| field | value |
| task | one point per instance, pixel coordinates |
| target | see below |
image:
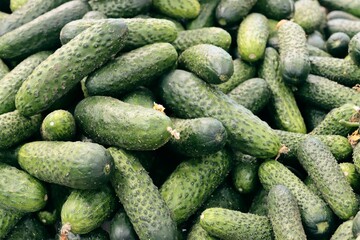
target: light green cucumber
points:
(121, 8)
(351, 175)
(198, 233)
(356, 157)
(344, 232)
(58, 125)
(309, 15)
(16, 4)
(182, 9)
(4, 69)
(206, 17)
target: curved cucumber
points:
(120, 8)
(198, 233)
(183, 9)
(338, 14)
(206, 17)
(230, 12)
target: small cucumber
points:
(206, 17)
(58, 125)
(244, 173)
(350, 27)
(8, 219)
(121, 227)
(28, 227)
(275, 9)
(354, 48)
(350, 6)
(121, 8)
(182, 9)
(231, 12)
(140, 96)
(337, 44)
(351, 175)
(309, 15)
(344, 231)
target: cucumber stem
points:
(283, 150)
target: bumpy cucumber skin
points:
(337, 45)
(254, 94)
(28, 227)
(317, 217)
(354, 49)
(10, 155)
(8, 220)
(41, 33)
(284, 214)
(26, 195)
(190, 97)
(326, 94)
(198, 136)
(252, 37)
(4, 69)
(283, 105)
(316, 52)
(85, 210)
(211, 63)
(294, 56)
(242, 72)
(351, 175)
(206, 17)
(58, 125)
(244, 173)
(148, 132)
(139, 67)
(308, 15)
(230, 225)
(94, 15)
(182, 9)
(356, 157)
(356, 225)
(198, 233)
(323, 168)
(80, 165)
(15, 128)
(343, 232)
(121, 227)
(210, 35)
(192, 182)
(120, 8)
(12, 81)
(259, 203)
(140, 96)
(141, 199)
(350, 27)
(31, 10)
(230, 12)
(350, 6)
(275, 9)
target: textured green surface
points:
(120, 8)
(244, 173)
(350, 27)
(316, 52)
(8, 220)
(60, 72)
(190, 97)
(351, 6)
(80, 165)
(354, 49)
(335, 14)
(275, 9)
(121, 227)
(356, 157)
(58, 125)
(16, 4)
(182, 9)
(140, 96)
(230, 12)
(4, 69)
(351, 175)
(28, 228)
(140, 196)
(343, 232)
(356, 225)
(337, 45)
(94, 15)
(313, 116)
(206, 17)
(198, 233)
(259, 203)
(309, 15)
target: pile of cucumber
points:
(186, 119)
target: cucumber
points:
(80, 165)
(120, 8)
(294, 57)
(313, 116)
(244, 173)
(284, 214)
(275, 9)
(356, 157)
(140, 96)
(198, 136)
(350, 27)
(19, 191)
(141, 199)
(93, 47)
(192, 182)
(283, 105)
(338, 14)
(351, 175)
(316, 52)
(58, 125)
(337, 44)
(47, 217)
(208, 35)
(16, 4)
(150, 131)
(309, 15)
(354, 49)
(139, 67)
(254, 94)
(317, 217)
(194, 98)
(343, 232)
(259, 203)
(121, 227)
(41, 33)
(323, 168)
(12, 81)
(206, 17)
(181, 9)
(350, 6)
(97, 234)
(8, 219)
(252, 37)
(14, 128)
(31, 10)
(356, 226)
(28, 227)
(231, 12)
(10, 155)
(317, 39)
(85, 210)
(211, 63)
(94, 15)
(4, 69)
(198, 233)
(229, 224)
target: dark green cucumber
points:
(4, 69)
(121, 227)
(229, 224)
(252, 37)
(10, 155)
(350, 6)
(317, 52)
(309, 15)
(140, 96)
(350, 27)
(85, 210)
(283, 105)
(54, 77)
(8, 220)
(317, 217)
(141, 199)
(323, 168)
(244, 173)
(230, 12)
(97, 234)
(14, 128)
(20, 191)
(210, 35)
(317, 39)
(198, 136)
(351, 175)
(294, 56)
(80, 165)
(259, 203)
(356, 226)
(190, 97)
(41, 33)
(338, 14)
(344, 232)
(326, 94)
(356, 157)
(192, 182)
(311, 185)
(284, 214)
(354, 49)
(31, 10)
(337, 44)
(242, 72)
(28, 228)
(275, 9)
(150, 131)
(58, 125)
(254, 94)
(206, 17)
(339, 145)
(139, 67)
(12, 81)
(121, 8)
(94, 15)
(182, 9)
(313, 116)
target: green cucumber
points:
(337, 44)
(317, 217)
(354, 49)
(182, 9)
(58, 125)
(54, 77)
(311, 185)
(252, 37)
(350, 27)
(344, 232)
(28, 227)
(284, 214)
(349, 6)
(244, 173)
(323, 168)
(140, 96)
(8, 219)
(139, 67)
(198, 136)
(12, 81)
(141, 199)
(150, 131)
(10, 156)
(283, 105)
(317, 39)
(198, 233)
(4, 69)
(231, 12)
(338, 14)
(356, 157)
(94, 15)
(85, 210)
(194, 98)
(229, 224)
(317, 52)
(313, 116)
(41, 33)
(275, 9)
(309, 15)
(356, 226)
(120, 8)
(80, 165)
(3, 15)
(259, 203)
(206, 17)
(16, 4)
(97, 234)
(351, 175)
(121, 227)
